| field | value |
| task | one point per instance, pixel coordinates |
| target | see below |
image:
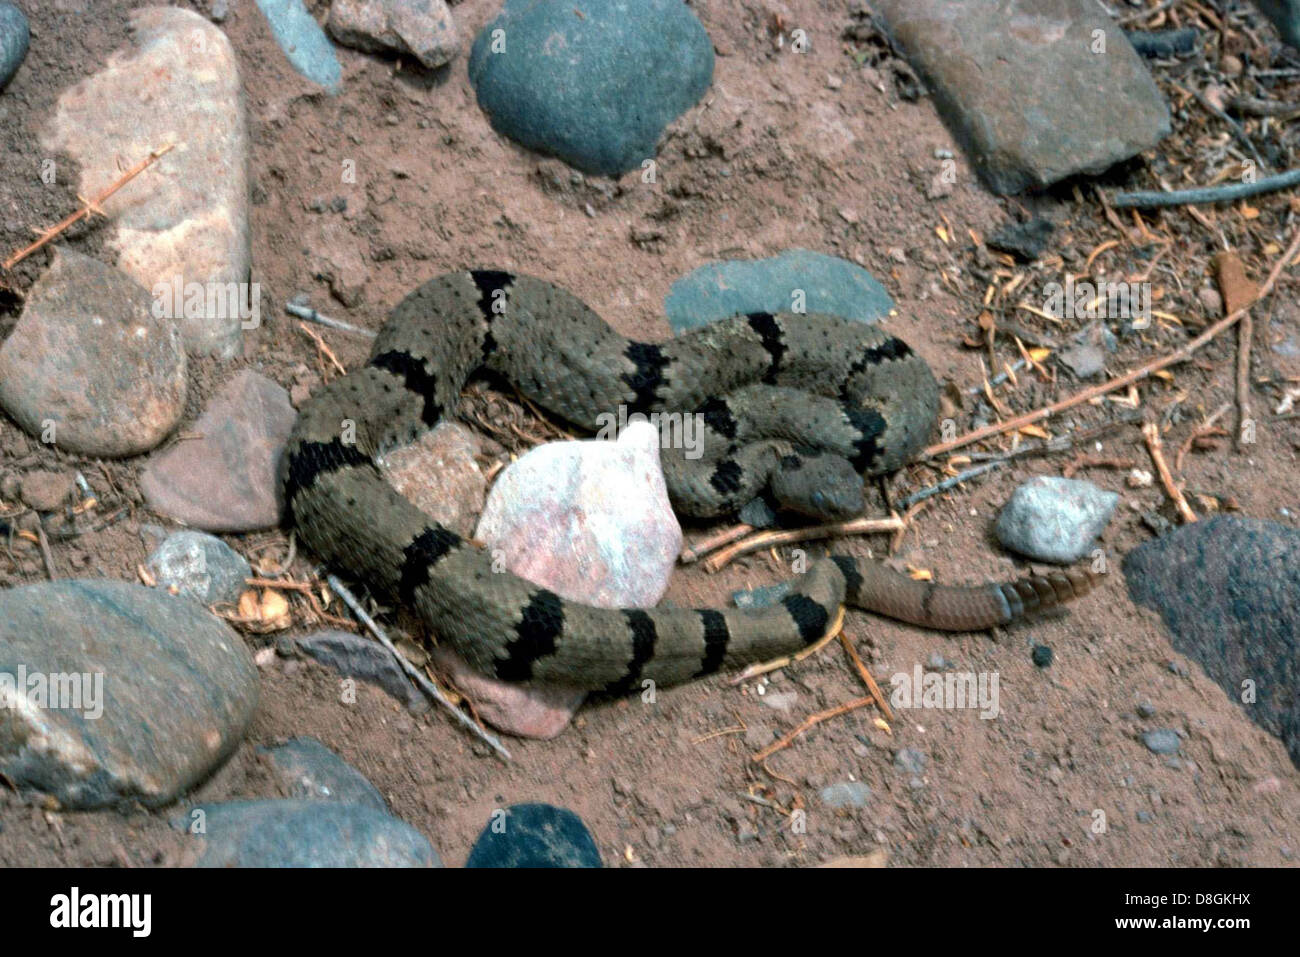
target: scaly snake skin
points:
(858, 394)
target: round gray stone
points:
(199, 566)
(594, 86)
(153, 692)
(1053, 519)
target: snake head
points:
(819, 485)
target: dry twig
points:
(1180, 354)
(1151, 433)
(855, 526)
(89, 208)
(429, 688)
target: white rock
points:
(591, 521)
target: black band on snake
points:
(793, 403)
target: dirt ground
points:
(821, 150)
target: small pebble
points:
(1042, 656)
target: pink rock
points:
(591, 521)
(527, 711)
(225, 479)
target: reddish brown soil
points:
(786, 150)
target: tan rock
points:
(186, 218)
(89, 368)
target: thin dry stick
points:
(1180, 354)
(1205, 428)
(325, 349)
(90, 206)
(1245, 333)
(763, 667)
(811, 721)
(46, 554)
(1151, 433)
(856, 526)
(432, 690)
(725, 537)
(865, 675)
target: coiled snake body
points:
(775, 393)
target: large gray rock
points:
(166, 691)
(185, 220)
(1053, 519)
(1036, 90)
(1228, 589)
(304, 833)
(226, 479)
(88, 367)
(594, 84)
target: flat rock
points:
(440, 474)
(14, 38)
(185, 220)
(355, 657)
(422, 29)
(1089, 101)
(846, 794)
(1162, 741)
(1053, 519)
(596, 86)
(303, 833)
(303, 42)
(1025, 241)
(795, 281)
(1228, 590)
(199, 566)
(524, 710)
(309, 771)
(168, 690)
(534, 835)
(88, 367)
(225, 480)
